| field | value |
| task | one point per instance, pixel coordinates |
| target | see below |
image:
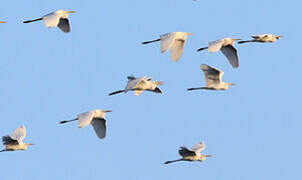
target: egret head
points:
(71, 11)
(279, 37)
(159, 82)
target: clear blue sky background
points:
(253, 130)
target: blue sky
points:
(252, 130)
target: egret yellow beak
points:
(190, 34)
(71, 11)
(107, 111)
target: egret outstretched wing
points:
(197, 148)
(99, 125)
(19, 134)
(64, 25)
(184, 152)
(215, 46)
(85, 119)
(51, 20)
(167, 41)
(231, 53)
(177, 49)
(212, 75)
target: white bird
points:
(174, 41)
(14, 142)
(192, 154)
(57, 18)
(213, 78)
(96, 118)
(138, 85)
(262, 38)
(226, 45)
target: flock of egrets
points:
(175, 42)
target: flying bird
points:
(213, 78)
(15, 141)
(139, 85)
(57, 18)
(226, 46)
(174, 41)
(96, 118)
(192, 154)
(262, 38)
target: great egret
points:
(14, 142)
(57, 18)
(262, 38)
(192, 154)
(226, 45)
(174, 41)
(138, 85)
(96, 118)
(213, 78)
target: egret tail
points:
(168, 162)
(116, 92)
(62, 122)
(191, 89)
(240, 42)
(29, 21)
(200, 49)
(147, 42)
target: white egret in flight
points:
(138, 85)
(96, 118)
(226, 46)
(192, 154)
(262, 38)
(14, 142)
(57, 18)
(174, 41)
(213, 78)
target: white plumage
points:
(57, 18)
(96, 118)
(139, 85)
(226, 46)
(174, 41)
(213, 77)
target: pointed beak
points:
(71, 11)
(2, 22)
(31, 144)
(232, 84)
(208, 155)
(107, 111)
(237, 39)
(190, 34)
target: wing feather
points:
(231, 53)
(212, 75)
(85, 119)
(19, 134)
(215, 46)
(197, 148)
(166, 41)
(99, 125)
(64, 25)
(177, 49)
